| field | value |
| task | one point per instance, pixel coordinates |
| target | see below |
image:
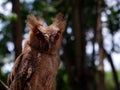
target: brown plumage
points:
(36, 67)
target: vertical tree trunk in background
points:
(101, 81)
(79, 32)
(92, 81)
(69, 67)
(68, 59)
(17, 28)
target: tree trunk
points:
(92, 80)
(16, 28)
(101, 81)
(79, 32)
(69, 64)
(68, 59)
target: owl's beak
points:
(46, 37)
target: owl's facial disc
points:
(47, 37)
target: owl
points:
(36, 67)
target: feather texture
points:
(37, 65)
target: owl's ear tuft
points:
(59, 22)
(32, 22)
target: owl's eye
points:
(39, 35)
(56, 36)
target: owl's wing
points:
(21, 72)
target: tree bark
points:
(17, 28)
(68, 59)
(79, 32)
(101, 81)
(92, 82)
(69, 64)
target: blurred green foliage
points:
(109, 80)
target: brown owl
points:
(36, 67)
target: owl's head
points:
(45, 38)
